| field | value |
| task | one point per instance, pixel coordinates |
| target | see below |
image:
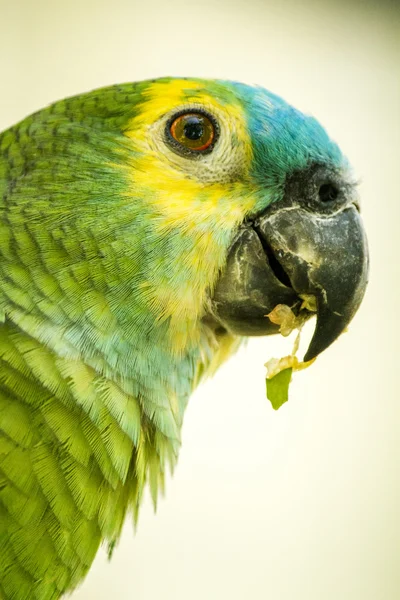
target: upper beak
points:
(325, 257)
(290, 251)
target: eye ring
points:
(192, 132)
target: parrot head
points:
(259, 201)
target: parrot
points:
(146, 230)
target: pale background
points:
(303, 503)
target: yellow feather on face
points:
(204, 200)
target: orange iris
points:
(194, 131)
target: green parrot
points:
(146, 229)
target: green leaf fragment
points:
(278, 388)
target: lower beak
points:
(288, 253)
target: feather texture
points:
(110, 244)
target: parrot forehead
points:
(283, 138)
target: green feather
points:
(103, 290)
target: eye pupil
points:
(328, 192)
(193, 129)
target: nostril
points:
(328, 192)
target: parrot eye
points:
(192, 132)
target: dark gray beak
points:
(311, 242)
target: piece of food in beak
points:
(279, 370)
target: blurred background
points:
(303, 503)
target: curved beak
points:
(285, 254)
(323, 256)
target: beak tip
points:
(328, 328)
(311, 354)
(316, 347)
